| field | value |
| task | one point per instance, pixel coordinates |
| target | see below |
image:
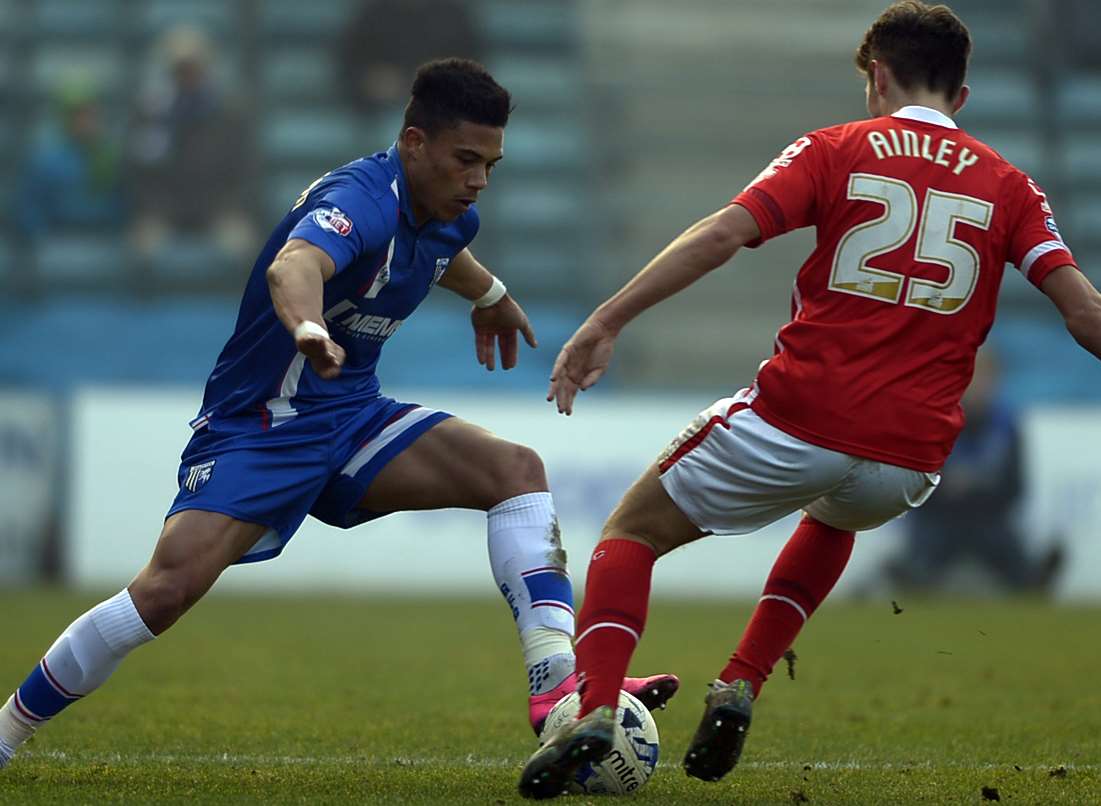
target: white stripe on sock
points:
(23, 711)
(786, 600)
(14, 730)
(598, 625)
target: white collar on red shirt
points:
(926, 115)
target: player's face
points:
(450, 168)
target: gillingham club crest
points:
(198, 475)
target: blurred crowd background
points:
(148, 146)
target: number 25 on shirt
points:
(937, 220)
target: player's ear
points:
(881, 77)
(414, 140)
(961, 99)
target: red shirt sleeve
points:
(1036, 248)
(783, 197)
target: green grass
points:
(389, 701)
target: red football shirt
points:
(916, 220)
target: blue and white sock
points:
(6, 752)
(79, 661)
(529, 567)
(547, 674)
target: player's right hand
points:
(326, 356)
(581, 362)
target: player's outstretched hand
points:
(496, 326)
(579, 365)
(326, 356)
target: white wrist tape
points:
(308, 328)
(493, 296)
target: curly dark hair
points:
(922, 44)
(449, 91)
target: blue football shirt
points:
(360, 215)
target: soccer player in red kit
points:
(854, 414)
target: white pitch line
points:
(256, 760)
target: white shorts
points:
(731, 473)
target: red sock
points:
(804, 573)
(612, 618)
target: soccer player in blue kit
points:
(293, 423)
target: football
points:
(634, 754)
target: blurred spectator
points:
(191, 153)
(72, 181)
(388, 39)
(973, 517)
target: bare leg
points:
(456, 464)
(645, 525)
(193, 549)
(647, 515)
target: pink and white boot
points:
(653, 692)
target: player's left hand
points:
(496, 326)
(583, 359)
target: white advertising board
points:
(1063, 468)
(126, 447)
(29, 443)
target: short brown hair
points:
(449, 91)
(922, 44)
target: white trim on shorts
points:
(384, 438)
(268, 542)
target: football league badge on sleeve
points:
(334, 220)
(198, 475)
(1049, 222)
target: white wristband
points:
(493, 296)
(308, 328)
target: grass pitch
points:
(409, 701)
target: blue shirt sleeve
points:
(347, 222)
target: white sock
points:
(529, 567)
(7, 749)
(539, 643)
(77, 663)
(547, 671)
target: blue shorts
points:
(317, 464)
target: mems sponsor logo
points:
(346, 316)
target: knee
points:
(518, 470)
(614, 530)
(160, 596)
(646, 529)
